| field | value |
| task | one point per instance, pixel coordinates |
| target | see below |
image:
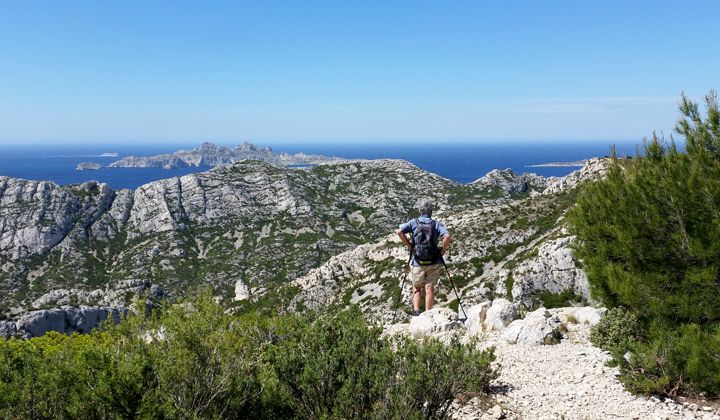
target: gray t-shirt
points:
(410, 225)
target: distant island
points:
(210, 154)
(109, 154)
(88, 166)
(559, 164)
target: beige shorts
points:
(423, 275)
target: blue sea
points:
(462, 162)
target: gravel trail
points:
(569, 380)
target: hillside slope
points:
(250, 222)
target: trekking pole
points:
(454, 289)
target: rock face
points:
(476, 317)
(34, 216)
(586, 315)
(88, 166)
(62, 320)
(554, 269)
(242, 292)
(7, 329)
(209, 154)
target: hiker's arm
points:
(404, 238)
(445, 244)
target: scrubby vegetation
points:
(617, 330)
(192, 360)
(649, 237)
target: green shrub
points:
(616, 331)
(194, 361)
(673, 361)
(558, 300)
(337, 367)
(509, 283)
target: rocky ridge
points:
(209, 154)
(234, 223)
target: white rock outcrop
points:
(594, 169)
(499, 315)
(242, 291)
(434, 321)
(538, 327)
(64, 320)
(554, 269)
(476, 317)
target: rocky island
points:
(88, 166)
(209, 154)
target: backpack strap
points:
(412, 236)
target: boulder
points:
(538, 327)
(434, 321)
(242, 292)
(586, 315)
(499, 315)
(476, 316)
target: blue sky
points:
(268, 71)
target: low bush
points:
(194, 361)
(558, 300)
(616, 331)
(674, 361)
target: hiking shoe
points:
(415, 312)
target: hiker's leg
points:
(416, 297)
(418, 276)
(432, 275)
(429, 296)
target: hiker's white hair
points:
(425, 205)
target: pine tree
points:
(649, 238)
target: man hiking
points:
(426, 257)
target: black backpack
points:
(425, 239)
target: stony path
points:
(569, 381)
